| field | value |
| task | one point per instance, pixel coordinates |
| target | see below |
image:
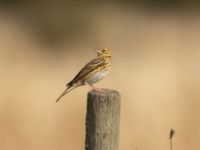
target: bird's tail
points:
(67, 90)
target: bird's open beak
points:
(98, 51)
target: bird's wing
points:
(89, 67)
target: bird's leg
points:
(93, 87)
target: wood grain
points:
(103, 120)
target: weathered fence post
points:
(102, 120)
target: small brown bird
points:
(92, 72)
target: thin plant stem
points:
(171, 144)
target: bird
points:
(92, 72)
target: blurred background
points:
(155, 66)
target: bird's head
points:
(105, 52)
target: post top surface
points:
(104, 92)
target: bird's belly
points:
(97, 76)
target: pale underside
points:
(97, 77)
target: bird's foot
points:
(96, 89)
(93, 88)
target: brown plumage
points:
(92, 72)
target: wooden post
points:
(102, 120)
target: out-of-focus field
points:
(155, 67)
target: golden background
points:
(155, 67)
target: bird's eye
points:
(103, 50)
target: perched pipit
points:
(92, 72)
